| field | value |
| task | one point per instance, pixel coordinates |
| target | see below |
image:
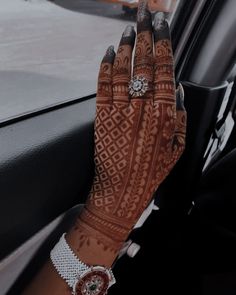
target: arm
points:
(138, 140)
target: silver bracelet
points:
(81, 278)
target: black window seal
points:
(45, 109)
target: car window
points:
(50, 51)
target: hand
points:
(138, 139)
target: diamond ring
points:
(138, 86)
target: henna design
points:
(164, 84)
(86, 233)
(125, 182)
(137, 141)
(104, 88)
(122, 66)
(143, 59)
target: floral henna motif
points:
(121, 74)
(137, 141)
(104, 89)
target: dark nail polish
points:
(159, 21)
(144, 17)
(143, 11)
(129, 31)
(180, 97)
(110, 55)
(161, 27)
(128, 37)
(110, 50)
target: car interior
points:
(188, 244)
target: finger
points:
(122, 66)
(143, 58)
(104, 89)
(180, 126)
(180, 98)
(164, 83)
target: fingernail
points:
(143, 11)
(128, 32)
(110, 50)
(110, 55)
(144, 17)
(180, 97)
(161, 27)
(128, 37)
(159, 21)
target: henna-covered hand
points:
(138, 140)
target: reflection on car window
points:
(50, 50)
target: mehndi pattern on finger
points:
(122, 66)
(104, 88)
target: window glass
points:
(50, 50)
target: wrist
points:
(113, 231)
(92, 246)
